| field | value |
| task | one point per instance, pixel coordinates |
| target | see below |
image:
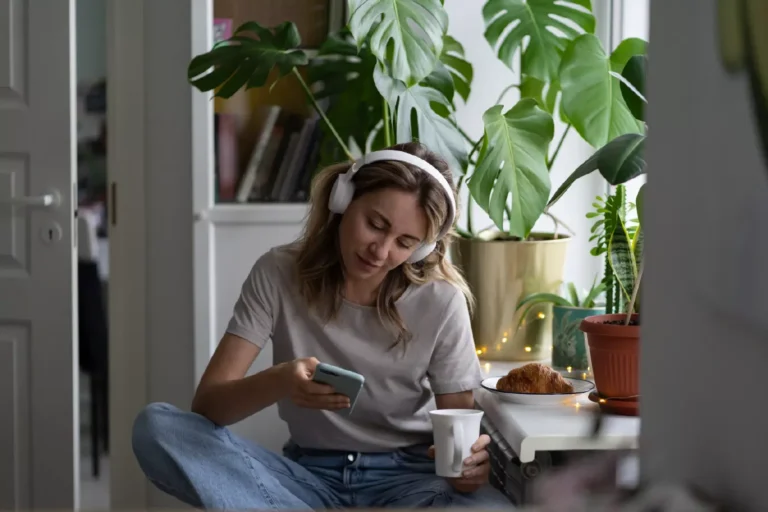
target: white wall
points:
(491, 77)
(237, 246)
(704, 350)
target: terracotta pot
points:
(614, 351)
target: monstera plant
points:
(395, 74)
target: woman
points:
(368, 287)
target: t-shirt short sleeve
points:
(454, 366)
(252, 317)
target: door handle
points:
(42, 201)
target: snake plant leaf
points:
(405, 35)
(461, 70)
(417, 119)
(638, 242)
(619, 161)
(243, 61)
(640, 204)
(543, 23)
(634, 74)
(622, 259)
(591, 95)
(511, 175)
(343, 73)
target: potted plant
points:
(394, 74)
(613, 337)
(569, 351)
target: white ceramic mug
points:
(455, 431)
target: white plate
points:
(580, 388)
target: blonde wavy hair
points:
(318, 258)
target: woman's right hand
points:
(304, 392)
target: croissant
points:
(534, 378)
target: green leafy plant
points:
(618, 237)
(394, 74)
(571, 298)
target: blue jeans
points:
(203, 465)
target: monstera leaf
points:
(531, 87)
(592, 98)
(619, 161)
(441, 80)
(416, 118)
(405, 35)
(511, 174)
(634, 74)
(344, 74)
(461, 70)
(544, 23)
(244, 61)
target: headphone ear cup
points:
(422, 252)
(341, 195)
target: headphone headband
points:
(402, 156)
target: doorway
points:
(93, 253)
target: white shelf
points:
(256, 213)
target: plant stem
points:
(464, 134)
(559, 145)
(505, 91)
(320, 111)
(461, 232)
(469, 232)
(559, 222)
(475, 147)
(387, 127)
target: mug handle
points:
(458, 437)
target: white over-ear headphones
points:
(344, 190)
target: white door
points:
(38, 344)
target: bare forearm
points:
(225, 403)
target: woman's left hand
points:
(477, 467)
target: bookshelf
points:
(266, 143)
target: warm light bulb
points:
(602, 400)
(479, 352)
(498, 347)
(504, 339)
(541, 316)
(506, 334)
(527, 349)
(568, 369)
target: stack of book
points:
(281, 163)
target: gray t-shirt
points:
(392, 409)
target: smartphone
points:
(342, 381)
